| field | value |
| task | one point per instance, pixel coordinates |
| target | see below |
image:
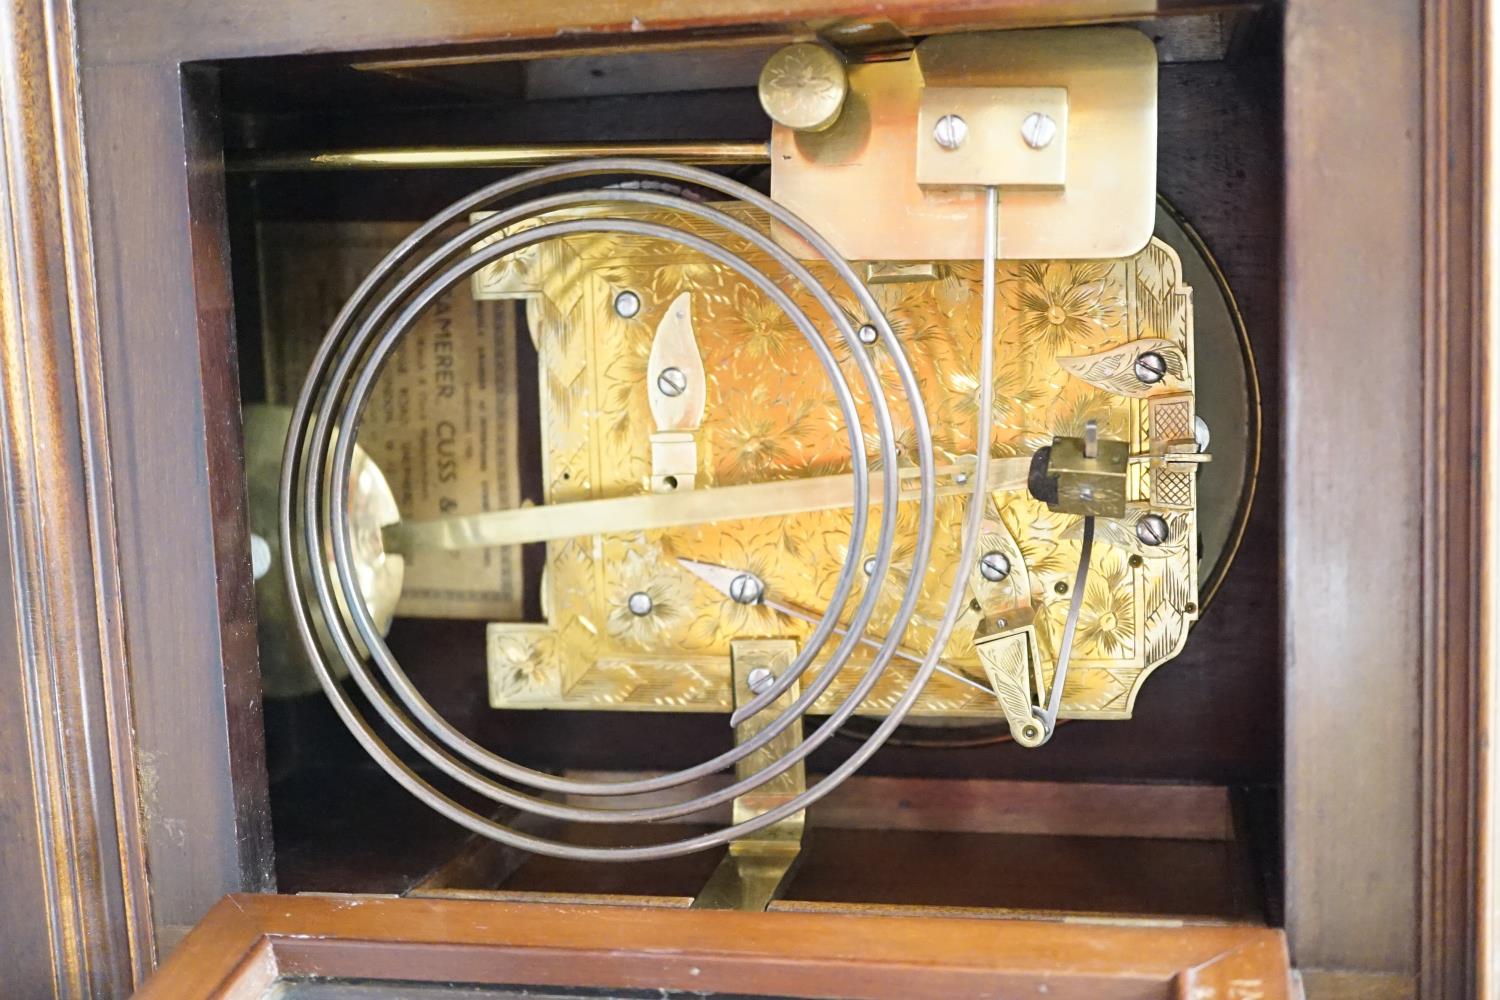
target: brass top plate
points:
(856, 182)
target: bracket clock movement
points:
(920, 434)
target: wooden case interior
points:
(1173, 814)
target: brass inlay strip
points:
(469, 157)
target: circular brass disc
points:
(803, 87)
(372, 505)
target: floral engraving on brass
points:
(803, 87)
(769, 416)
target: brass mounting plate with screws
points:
(857, 181)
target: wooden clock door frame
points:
(132, 794)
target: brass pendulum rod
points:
(657, 511)
(703, 154)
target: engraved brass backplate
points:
(770, 416)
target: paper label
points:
(442, 420)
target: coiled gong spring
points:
(335, 624)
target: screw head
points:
(640, 603)
(869, 566)
(627, 305)
(760, 680)
(867, 334)
(1150, 368)
(747, 589)
(950, 131)
(1038, 130)
(994, 567)
(672, 382)
(1152, 530)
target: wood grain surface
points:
(118, 33)
(1352, 467)
(246, 943)
(1458, 500)
(75, 919)
(167, 339)
(124, 537)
